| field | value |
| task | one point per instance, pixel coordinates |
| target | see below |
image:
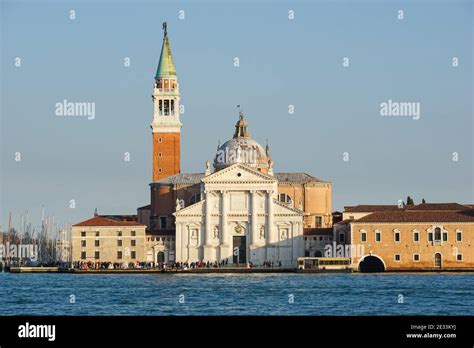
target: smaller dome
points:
(241, 150)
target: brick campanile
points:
(166, 125)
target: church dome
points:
(242, 149)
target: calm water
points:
(237, 294)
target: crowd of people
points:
(105, 265)
(112, 265)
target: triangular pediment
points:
(239, 173)
(282, 208)
(194, 209)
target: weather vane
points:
(165, 28)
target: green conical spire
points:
(166, 65)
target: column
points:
(271, 237)
(225, 247)
(155, 106)
(296, 241)
(207, 224)
(269, 228)
(209, 250)
(224, 211)
(185, 242)
(253, 218)
(178, 257)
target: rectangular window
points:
(96, 255)
(445, 236)
(172, 107)
(162, 222)
(397, 257)
(458, 257)
(133, 254)
(306, 253)
(166, 110)
(416, 236)
(160, 103)
(458, 236)
(83, 243)
(119, 255)
(83, 234)
(341, 237)
(430, 236)
(320, 238)
(397, 236)
(133, 233)
(97, 243)
(97, 233)
(319, 221)
(363, 236)
(133, 242)
(119, 242)
(119, 233)
(83, 255)
(378, 236)
(416, 257)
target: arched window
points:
(195, 198)
(437, 234)
(283, 197)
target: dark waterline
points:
(237, 294)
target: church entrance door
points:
(160, 257)
(239, 250)
(438, 262)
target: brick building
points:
(429, 236)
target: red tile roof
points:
(367, 208)
(112, 220)
(437, 206)
(466, 215)
(344, 222)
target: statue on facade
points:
(178, 204)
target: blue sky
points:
(282, 62)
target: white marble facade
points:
(241, 220)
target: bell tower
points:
(166, 125)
